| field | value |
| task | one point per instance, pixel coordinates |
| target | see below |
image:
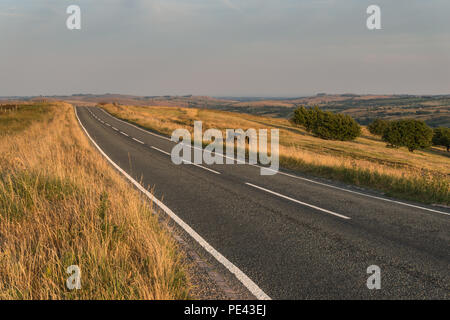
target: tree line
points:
(410, 133)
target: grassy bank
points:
(422, 176)
(61, 204)
(15, 118)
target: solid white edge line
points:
(297, 201)
(294, 176)
(185, 161)
(241, 276)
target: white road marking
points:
(300, 202)
(108, 124)
(294, 176)
(241, 276)
(359, 193)
(187, 162)
(130, 124)
(138, 141)
(114, 128)
(162, 151)
(124, 133)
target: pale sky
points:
(224, 47)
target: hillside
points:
(434, 110)
(421, 176)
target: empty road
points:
(294, 238)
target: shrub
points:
(327, 125)
(300, 116)
(413, 134)
(441, 137)
(378, 126)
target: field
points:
(61, 204)
(434, 110)
(420, 176)
(17, 117)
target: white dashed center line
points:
(138, 141)
(300, 202)
(187, 162)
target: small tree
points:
(413, 134)
(327, 125)
(300, 116)
(378, 126)
(441, 137)
(336, 127)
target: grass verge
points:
(61, 204)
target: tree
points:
(306, 117)
(413, 134)
(378, 126)
(336, 127)
(441, 137)
(300, 116)
(326, 125)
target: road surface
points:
(294, 238)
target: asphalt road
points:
(295, 238)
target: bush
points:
(378, 126)
(413, 134)
(327, 125)
(441, 137)
(300, 116)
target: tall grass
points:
(422, 176)
(15, 118)
(61, 204)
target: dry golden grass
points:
(61, 204)
(422, 175)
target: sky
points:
(224, 47)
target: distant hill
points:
(434, 110)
